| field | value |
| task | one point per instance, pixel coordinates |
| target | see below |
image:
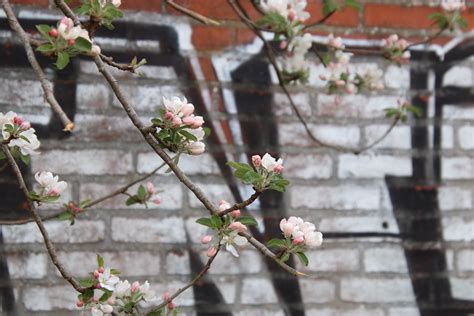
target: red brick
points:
(214, 9)
(244, 36)
(211, 38)
(207, 69)
(346, 17)
(142, 5)
(395, 16)
(42, 3)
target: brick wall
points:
(406, 203)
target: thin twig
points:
(121, 190)
(427, 40)
(45, 84)
(187, 286)
(49, 245)
(198, 17)
(110, 61)
(241, 205)
(321, 20)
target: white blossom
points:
(231, 239)
(107, 280)
(27, 142)
(453, 5)
(296, 227)
(269, 163)
(148, 293)
(50, 184)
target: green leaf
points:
(277, 243)
(115, 271)
(85, 203)
(107, 294)
(62, 61)
(415, 110)
(391, 112)
(285, 257)
(156, 121)
(46, 49)
(87, 295)
(216, 221)
(25, 159)
(329, 6)
(50, 199)
(247, 220)
(303, 259)
(132, 200)
(44, 30)
(353, 4)
(100, 261)
(65, 216)
(207, 131)
(83, 45)
(188, 135)
(87, 282)
(274, 21)
(141, 193)
(205, 221)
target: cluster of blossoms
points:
(107, 295)
(227, 234)
(18, 134)
(116, 3)
(50, 186)
(453, 5)
(144, 195)
(394, 49)
(67, 31)
(300, 232)
(286, 17)
(179, 129)
(267, 164)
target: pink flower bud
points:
(111, 301)
(67, 22)
(322, 77)
(340, 83)
(350, 89)
(287, 228)
(71, 42)
(256, 160)
(188, 120)
(278, 169)
(198, 121)
(283, 44)
(25, 126)
(298, 240)
(79, 304)
(171, 305)
(206, 239)
(150, 188)
(291, 15)
(18, 120)
(169, 115)
(53, 32)
(235, 213)
(53, 192)
(96, 274)
(98, 286)
(177, 121)
(135, 287)
(157, 201)
(166, 296)
(211, 252)
(187, 109)
(238, 226)
(101, 270)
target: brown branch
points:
(121, 190)
(49, 245)
(241, 205)
(110, 61)
(427, 40)
(45, 83)
(196, 16)
(187, 286)
(381, 138)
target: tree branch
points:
(49, 245)
(196, 16)
(45, 83)
(241, 205)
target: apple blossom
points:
(453, 5)
(235, 214)
(27, 142)
(223, 205)
(196, 148)
(148, 293)
(135, 287)
(269, 163)
(256, 160)
(301, 232)
(122, 288)
(107, 280)
(206, 239)
(49, 184)
(238, 226)
(231, 239)
(335, 42)
(150, 188)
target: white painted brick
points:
(294, 135)
(227, 289)
(465, 260)
(111, 128)
(258, 312)
(308, 166)
(454, 198)
(80, 264)
(397, 77)
(368, 166)
(315, 71)
(447, 137)
(358, 224)
(457, 168)
(333, 260)
(399, 137)
(84, 162)
(92, 97)
(148, 98)
(150, 230)
(225, 263)
(460, 76)
(60, 232)
(215, 193)
(360, 311)
(27, 265)
(38, 298)
(385, 260)
(177, 262)
(404, 311)
(195, 230)
(466, 137)
(93, 191)
(258, 291)
(462, 288)
(317, 291)
(191, 165)
(282, 105)
(21, 92)
(458, 229)
(458, 112)
(343, 197)
(376, 290)
(357, 106)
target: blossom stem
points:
(49, 245)
(45, 83)
(196, 16)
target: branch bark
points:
(45, 83)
